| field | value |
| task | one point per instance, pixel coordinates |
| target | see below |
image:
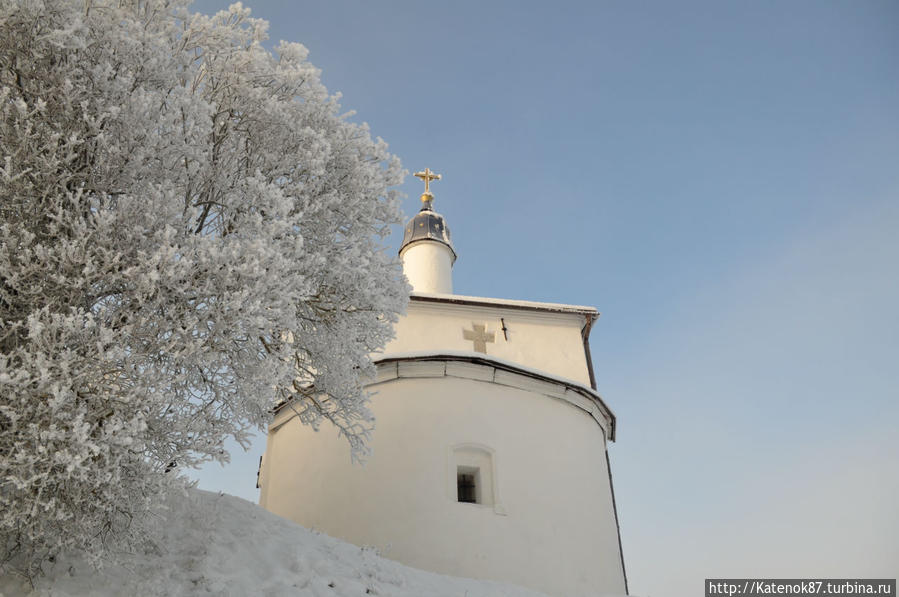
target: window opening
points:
(471, 466)
(467, 484)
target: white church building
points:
(489, 459)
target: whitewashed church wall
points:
(549, 342)
(551, 525)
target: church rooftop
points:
(427, 223)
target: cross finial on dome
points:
(427, 176)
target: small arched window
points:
(474, 475)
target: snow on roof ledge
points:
(509, 303)
(471, 356)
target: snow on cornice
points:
(507, 303)
(503, 364)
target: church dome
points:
(427, 225)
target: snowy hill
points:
(221, 545)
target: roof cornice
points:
(564, 385)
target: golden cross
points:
(427, 176)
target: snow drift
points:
(214, 544)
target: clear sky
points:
(721, 180)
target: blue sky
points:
(721, 180)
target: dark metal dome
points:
(427, 225)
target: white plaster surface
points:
(541, 340)
(428, 266)
(551, 528)
(526, 404)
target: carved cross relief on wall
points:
(480, 336)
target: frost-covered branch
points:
(175, 200)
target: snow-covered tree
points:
(190, 231)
